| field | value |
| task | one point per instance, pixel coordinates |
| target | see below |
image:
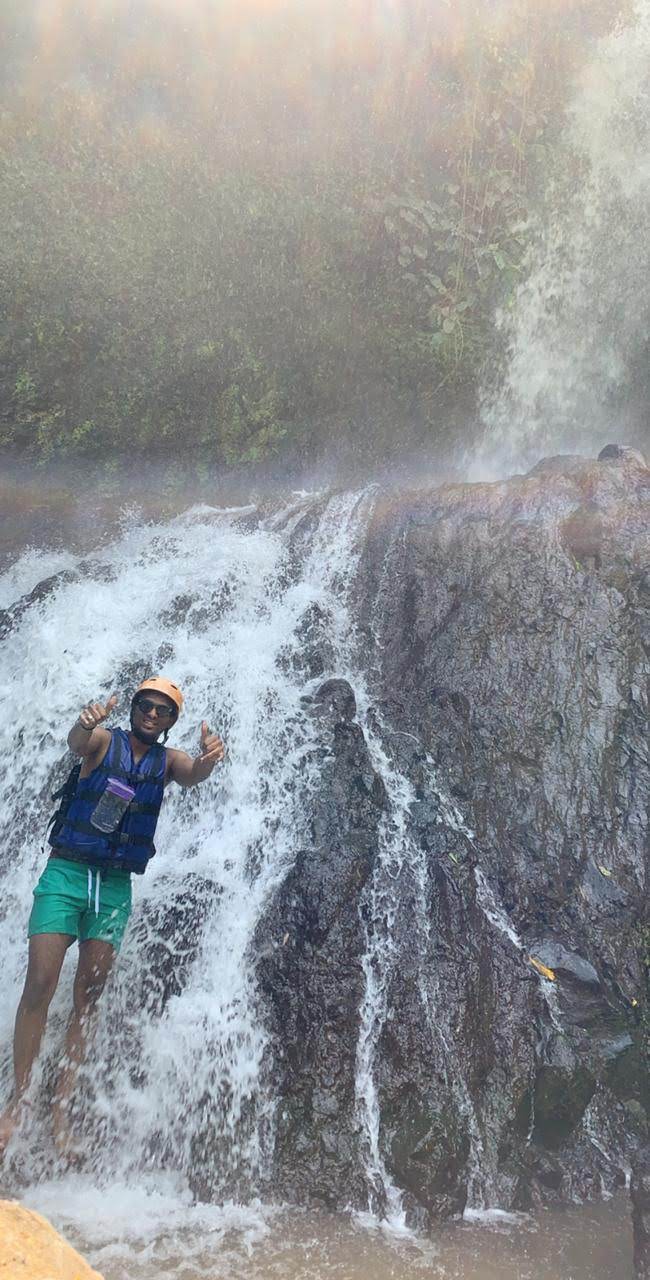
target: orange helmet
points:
(158, 684)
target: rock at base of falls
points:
(30, 1248)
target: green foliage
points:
(25, 388)
(458, 264)
(460, 238)
(173, 289)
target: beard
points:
(147, 737)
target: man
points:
(84, 892)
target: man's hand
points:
(186, 771)
(86, 736)
(212, 748)
(94, 713)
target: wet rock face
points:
(506, 632)
(85, 569)
(523, 670)
(311, 946)
(640, 1193)
(167, 936)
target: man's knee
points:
(88, 986)
(40, 985)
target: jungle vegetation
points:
(231, 232)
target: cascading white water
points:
(580, 317)
(176, 1080)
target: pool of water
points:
(160, 1238)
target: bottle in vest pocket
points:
(112, 805)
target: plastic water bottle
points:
(112, 805)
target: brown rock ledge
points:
(30, 1249)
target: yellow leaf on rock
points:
(543, 969)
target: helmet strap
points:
(169, 726)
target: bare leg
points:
(95, 963)
(46, 953)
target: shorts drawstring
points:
(98, 877)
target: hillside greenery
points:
(230, 233)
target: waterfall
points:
(177, 1090)
(176, 1106)
(576, 335)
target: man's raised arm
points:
(188, 772)
(86, 737)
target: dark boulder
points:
(504, 633)
(621, 453)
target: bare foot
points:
(67, 1148)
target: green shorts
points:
(73, 898)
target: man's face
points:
(152, 714)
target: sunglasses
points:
(154, 708)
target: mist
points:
(288, 241)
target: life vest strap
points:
(113, 837)
(136, 806)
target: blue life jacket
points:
(130, 846)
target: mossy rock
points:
(561, 1099)
(428, 1153)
